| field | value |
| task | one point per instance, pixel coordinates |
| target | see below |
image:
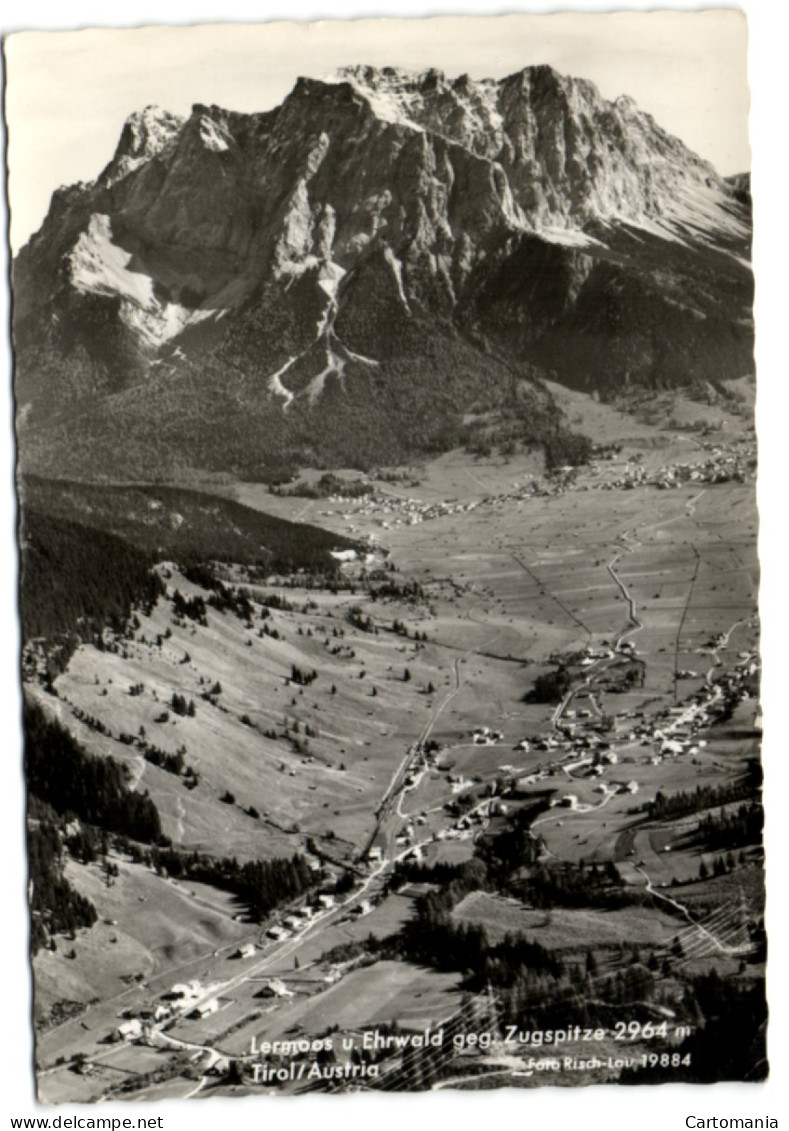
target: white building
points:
(275, 987)
(129, 1030)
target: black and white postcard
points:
(390, 643)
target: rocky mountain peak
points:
(570, 157)
(315, 253)
(146, 134)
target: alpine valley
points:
(390, 599)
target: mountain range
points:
(374, 269)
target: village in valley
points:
(386, 508)
(386, 471)
(523, 710)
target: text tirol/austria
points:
(389, 588)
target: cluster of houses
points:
(591, 654)
(486, 736)
(719, 464)
(388, 511)
(468, 824)
(583, 744)
(363, 907)
(669, 733)
(299, 917)
(184, 999)
(195, 1001)
(274, 987)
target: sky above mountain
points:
(68, 93)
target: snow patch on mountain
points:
(293, 252)
(329, 277)
(324, 236)
(358, 356)
(98, 266)
(388, 92)
(334, 364)
(160, 322)
(694, 216)
(213, 136)
(146, 134)
(397, 271)
(317, 154)
(484, 111)
(275, 386)
(705, 212)
(568, 237)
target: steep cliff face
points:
(343, 276)
(569, 156)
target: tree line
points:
(264, 885)
(75, 581)
(77, 783)
(54, 904)
(668, 805)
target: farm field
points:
(383, 992)
(560, 929)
